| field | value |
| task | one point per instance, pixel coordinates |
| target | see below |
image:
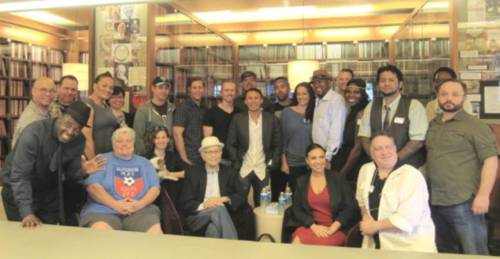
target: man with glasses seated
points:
(42, 95)
(211, 192)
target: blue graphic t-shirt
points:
(122, 179)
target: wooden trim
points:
(151, 48)
(91, 50)
(392, 51)
(454, 35)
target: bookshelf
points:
(185, 50)
(271, 61)
(21, 64)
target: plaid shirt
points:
(190, 117)
(30, 114)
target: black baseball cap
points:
(160, 80)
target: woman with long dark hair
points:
(296, 122)
(351, 156)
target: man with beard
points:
(462, 161)
(432, 109)
(329, 115)
(282, 92)
(403, 118)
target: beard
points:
(455, 108)
(389, 93)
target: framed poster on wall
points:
(490, 96)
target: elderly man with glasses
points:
(42, 95)
(211, 192)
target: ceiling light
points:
(44, 16)
(342, 32)
(50, 4)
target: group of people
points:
(427, 188)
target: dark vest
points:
(399, 131)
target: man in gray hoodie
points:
(155, 112)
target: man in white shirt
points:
(254, 144)
(211, 192)
(329, 115)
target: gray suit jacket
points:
(238, 139)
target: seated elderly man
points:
(209, 191)
(394, 202)
(121, 196)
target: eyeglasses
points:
(213, 152)
(45, 90)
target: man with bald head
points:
(42, 95)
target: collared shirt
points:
(56, 108)
(254, 159)
(328, 122)
(190, 117)
(432, 109)
(213, 188)
(31, 168)
(32, 113)
(418, 120)
(456, 150)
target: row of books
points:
(55, 73)
(195, 55)
(18, 69)
(19, 50)
(3, 67)
(340, 51)
(252, 53)
(413, 48)
(17, 107)
(19, 88)
(165, 71)
(259, 70)
(42, 54)
(310, 51)
(3, 107)
(220, 72)
(373, 50)
(3, 87)
(281, 52)
(84, 57)
(39, 71)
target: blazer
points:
(342, 203)
(238, 139)
(195, 185)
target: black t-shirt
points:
(220, 120)
(162, 110)
(279, 107)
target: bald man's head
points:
(43, 92)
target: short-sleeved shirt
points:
(122, 179)
(190, 117)
(220, 120)
(32, 113)
(296, 136)
(418, 120)
(456, 150)
(56, 108)
(105, 123)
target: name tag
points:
(399, 120)
(359, 122)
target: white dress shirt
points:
(254, 159)
(328, 123)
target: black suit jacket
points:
(238, 139)
(342, 203)
(195, 185)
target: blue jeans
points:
(257, 185)
(456, 226)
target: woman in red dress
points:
(323, 204)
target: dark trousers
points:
(45, 205)
(278, 183)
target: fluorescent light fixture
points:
(342, 32)
(172, 18)
(274, 35)
(21, 33)
(237, 36)
(44, 17)
(437, 5)
(388, 29)
(283, 13)
(50, 4)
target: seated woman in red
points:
(323, 204)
